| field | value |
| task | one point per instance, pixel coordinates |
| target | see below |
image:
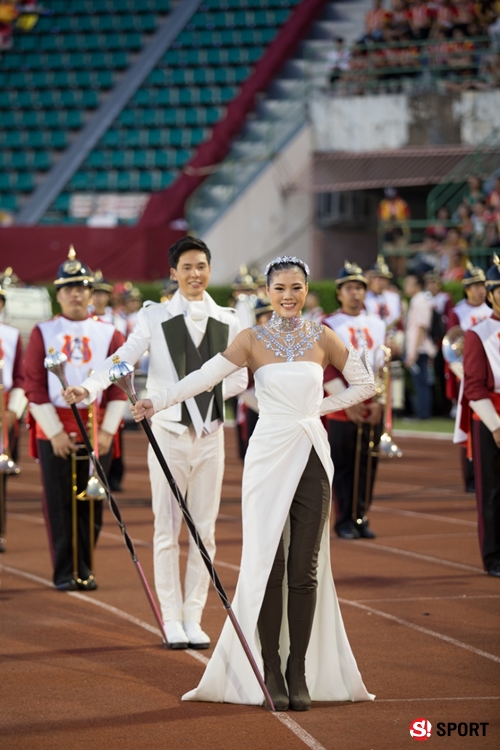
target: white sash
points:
(9, 337)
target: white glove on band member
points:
(113, 416)
(457, 369)
(17, 402)
(199, 381)
(48, 419)
(487, 413)
(359, 375)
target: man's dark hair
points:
(184, 245)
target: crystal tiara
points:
(287, 259)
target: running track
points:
(88, 671)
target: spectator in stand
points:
(445, 15)
(339, 58)
(494, 196)
(393, 208)
(421, 19)
(463, 216)
(376, 21)
(8, 15)
(398, 25)
(465, 16)
(453, 255)
(474, 192)
(481, 219)
(439, 229)
(420, 349)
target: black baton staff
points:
(122, 374)
(55, 362)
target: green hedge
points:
(325, 290)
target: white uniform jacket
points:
(149, 334)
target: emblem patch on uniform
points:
(1, 350)
(77, 349)
(359, 337)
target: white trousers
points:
(198, 466)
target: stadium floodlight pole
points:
(55, 362)
(122, 374)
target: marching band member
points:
(349, 430)
(86, 342)
(181, 334)
(101, 298)
(469, 311)
(12, 379)
(482, 395)
(379, 299)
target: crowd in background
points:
(462, 50)
(20, 14)
(475, 224)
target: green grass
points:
(436, 424)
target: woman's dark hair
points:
(286, 263)
(184, 245)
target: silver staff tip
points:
(54, 359)
(120, 370)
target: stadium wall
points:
(269, 218)
(134, 253)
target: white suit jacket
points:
(148, 335)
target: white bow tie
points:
(197, 311)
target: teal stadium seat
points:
(59, 71)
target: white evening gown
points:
(289, 425)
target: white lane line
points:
(23, 517)
(425, 435)
(301, 733)
(417, 556)
(419, 514)
(461, 597)
(421, 629)
(458, 534)
(417, 700)
(298, 731)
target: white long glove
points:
(199, 381)
(359, 375)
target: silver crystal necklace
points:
(288, 338)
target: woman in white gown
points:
(287, 478)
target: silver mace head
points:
(387, 448)
(94, 490)
(7, 465)
(56, 362)
(122, 374)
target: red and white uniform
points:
(356, 331)
(466, 316)
(386, 306)
(11, 353)
(86, 343)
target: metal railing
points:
(435, 65)
(406, 239)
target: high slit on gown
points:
(289, 425)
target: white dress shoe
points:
(176, 635)
(197, 638)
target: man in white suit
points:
(181, 334)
